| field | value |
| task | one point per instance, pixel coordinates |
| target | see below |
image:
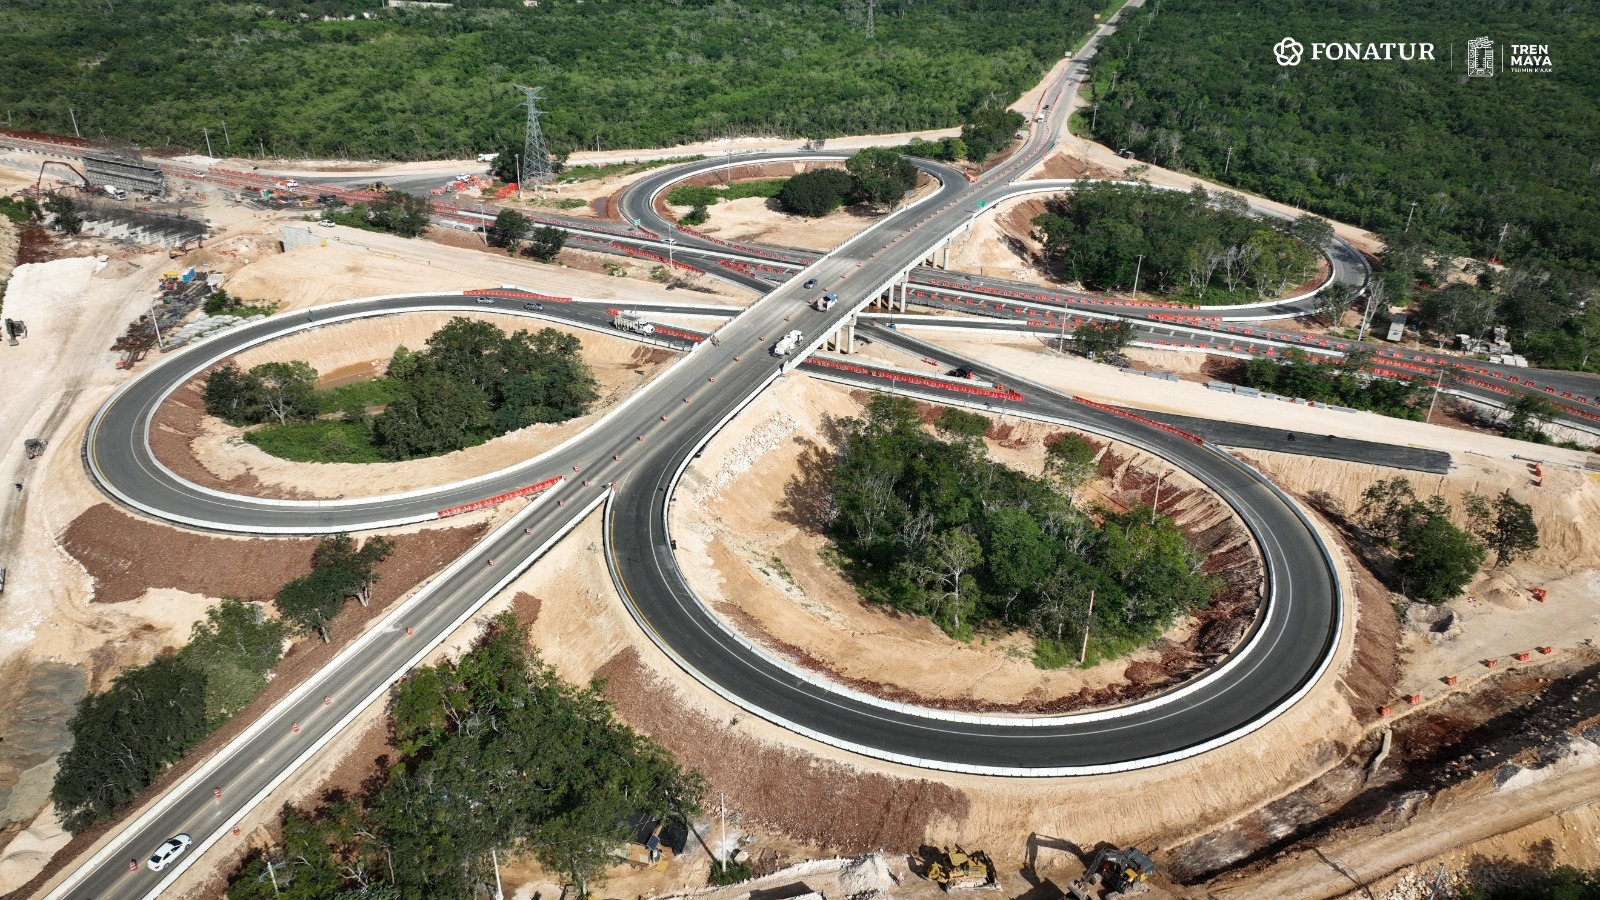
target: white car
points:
(486, 300)
(291, 183)
(169, 850)
(325, 223)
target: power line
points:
(535, 166)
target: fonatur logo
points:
(1290, 51)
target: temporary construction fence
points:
(998, 392)
(501, 498)
(1119, 411)
(515, 295)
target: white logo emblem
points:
(1288, 51)
(1480, 58)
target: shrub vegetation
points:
(495, 752)
(929, 525)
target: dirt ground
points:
(315, 275)
(209, 452)
(751, 535)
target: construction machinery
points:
(787, 344)
(34, 447)
(630, 321)
(957, 870)
(178, 250)
(1114, 871)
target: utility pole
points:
(1088, 617)
(519, 176)
(1374, 297)
(1136, 270)
(722, 800)
(499, 893)
(1410, 214)
(74, 114)
(1094, 117)
(1437, 386)
(225, 138)
(1228, 164)
(272, 873)
(207, 133)
(156, 324)
(1157, 507)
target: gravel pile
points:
(1415, 886)
(865, 877)
(763, 438)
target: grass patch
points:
(593, 173)
(711, 194)
(733, 874)
(324, 440)
(359, 395)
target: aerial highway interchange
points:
(628, 463)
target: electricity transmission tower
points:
(535, 167)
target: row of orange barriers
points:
(501, 498)
(1118, 411)
(999, 391)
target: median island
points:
(958, 560)
(472, 382)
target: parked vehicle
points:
(114, 193)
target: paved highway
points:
(640, 448)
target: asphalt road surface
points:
(639, 449)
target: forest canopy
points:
(349, 78)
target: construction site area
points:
(1444, 742)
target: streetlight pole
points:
(74, 114)
(225, 139)
(499, 892)
(207, 133)
(1410, 214)
(1088, 617)
(519, 176)
(1437, 386)
(1136, 270)
(1228, 163)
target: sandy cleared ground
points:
(316, 275)
(360, 350)
(1075, 375)
(748, 527)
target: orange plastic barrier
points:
(1138, 418)
(501, 498)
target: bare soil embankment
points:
(751, 536)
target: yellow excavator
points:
(1115, 871)
(957, 870)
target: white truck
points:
(114, 193)
(787, 344)
(630, 321)
(825, 302)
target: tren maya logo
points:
(1483, 54)
(1289, 51)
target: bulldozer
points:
(957, 870)
(1115, 871)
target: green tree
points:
(509, 227)
(960, 423)
(696, 216)
(1435, 559)
(68, 219)
(288, 390)
(1093, 338)
(234, 396)
(125, 736)
(881, 176)
(545, 243)
(1530, 413)
(1515, 533)
(944, 572)
(815, 193)
(1070, 461)
(401, 213)
(235, 647)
